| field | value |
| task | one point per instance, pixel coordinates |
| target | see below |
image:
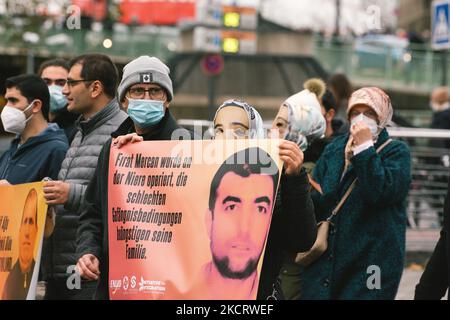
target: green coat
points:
(370, 228)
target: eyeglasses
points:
(57, 82)
(71, 83)
(139, 93)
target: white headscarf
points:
(304, 98)
(256, 126)
(306, 122)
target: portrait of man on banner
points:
(19, 279)
(242, 195)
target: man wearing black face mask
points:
(39, 147)
(145, 92)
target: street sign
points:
(440, 11)
(225, 40)
(212, 65)
(234, 17)
(240, 17)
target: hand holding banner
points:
(190, 219)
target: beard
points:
(223, 265)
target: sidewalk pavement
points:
(419, 247)
(408, 284)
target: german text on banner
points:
(22, 220)
(190, 219)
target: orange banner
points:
(190, 219)
(22, 220)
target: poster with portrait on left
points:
(22, 221)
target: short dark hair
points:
(341, 86)
(244, 163)
(31, 87)
(53, 63)
(96, 66)
(328, 101)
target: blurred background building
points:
(260, 51)
(269, 46)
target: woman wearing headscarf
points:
(300, 120)
(366, 240)
(293, 226)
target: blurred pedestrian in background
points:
(440, 104)
(54, 72)
(341, 88)
(335, 127)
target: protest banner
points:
(190, 219)
(22, 220)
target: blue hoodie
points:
(39, 157)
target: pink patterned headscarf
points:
(376, 99)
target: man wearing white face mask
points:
(55, 72)
(39, 148)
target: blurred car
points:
(374, 51)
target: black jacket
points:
(17, 284)
(92, 237)
(441, 120)
(436, 278)
(315, 150)
(67, 121)
(293, 228)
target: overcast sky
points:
(358, 16)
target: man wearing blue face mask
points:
(145, 92)
(54, 73)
